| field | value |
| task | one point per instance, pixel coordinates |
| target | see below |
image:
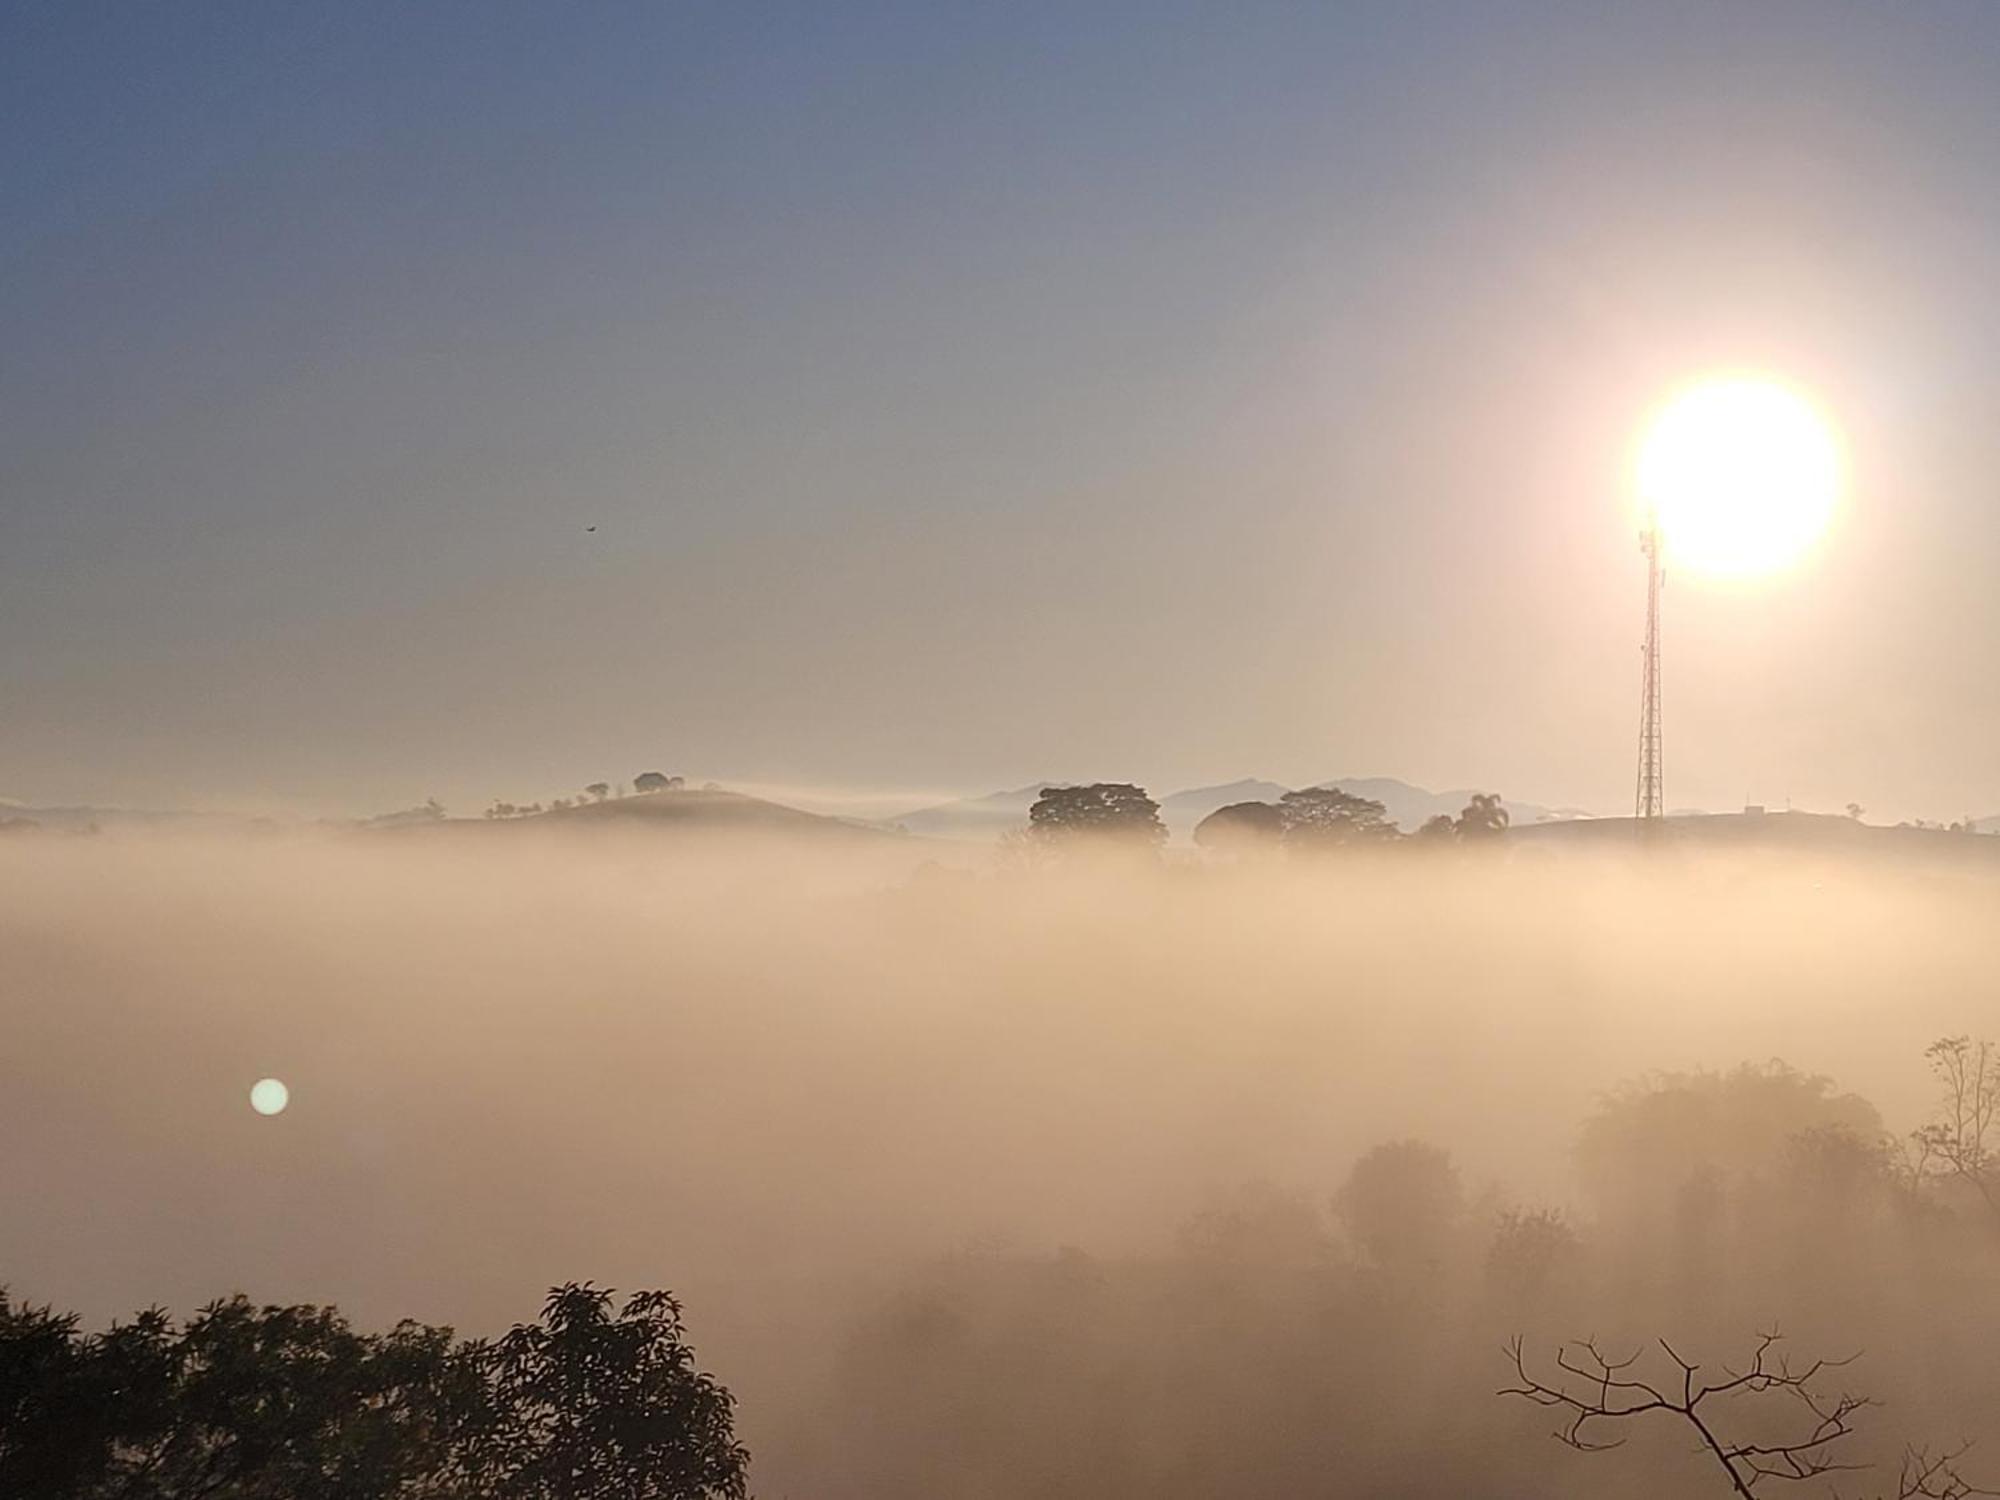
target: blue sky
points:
(967, 395)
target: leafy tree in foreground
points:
(291, 1403)
(597, 1404)
(54, 1434)
(240, 1403)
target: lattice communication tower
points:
(1648, 803)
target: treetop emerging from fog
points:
(1109, 811)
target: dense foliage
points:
(1110, 811)
(1327, 817)
(241, 1402)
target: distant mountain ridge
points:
(83, 818)
(984, 817)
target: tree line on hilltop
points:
(644, 784)
(1119, 813)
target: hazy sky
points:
(967, 395)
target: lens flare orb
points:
(269, 1096)
(1741, 474)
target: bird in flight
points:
(590, 528)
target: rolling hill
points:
(710, 810)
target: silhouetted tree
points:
(597, 1404)
(1256, 1226)
(598, 790)
(1114, 812)
(429, 811)
(1483, 818)
(241, 1403)
(1438, 829)
(1241, 826)
(655, 781)
(1401, 1204)
(1325, 817)
(1532, 1251)
(57, 1417)
(1962, 1144)
(1656, 1147)
(290, 1403)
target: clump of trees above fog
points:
(1110, 812)
(1325, 817)
(592, 1401)
(1119, 814)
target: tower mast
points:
(1648, 803)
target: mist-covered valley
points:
(996, 1176)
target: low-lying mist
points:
(951, 1160)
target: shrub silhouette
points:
(1241, 827)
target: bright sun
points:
(1742, 474)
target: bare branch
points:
(1963, 1142)
(1596, 1392)
(1925, 1476)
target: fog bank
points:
(779, 1078)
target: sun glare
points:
(1742, 475)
